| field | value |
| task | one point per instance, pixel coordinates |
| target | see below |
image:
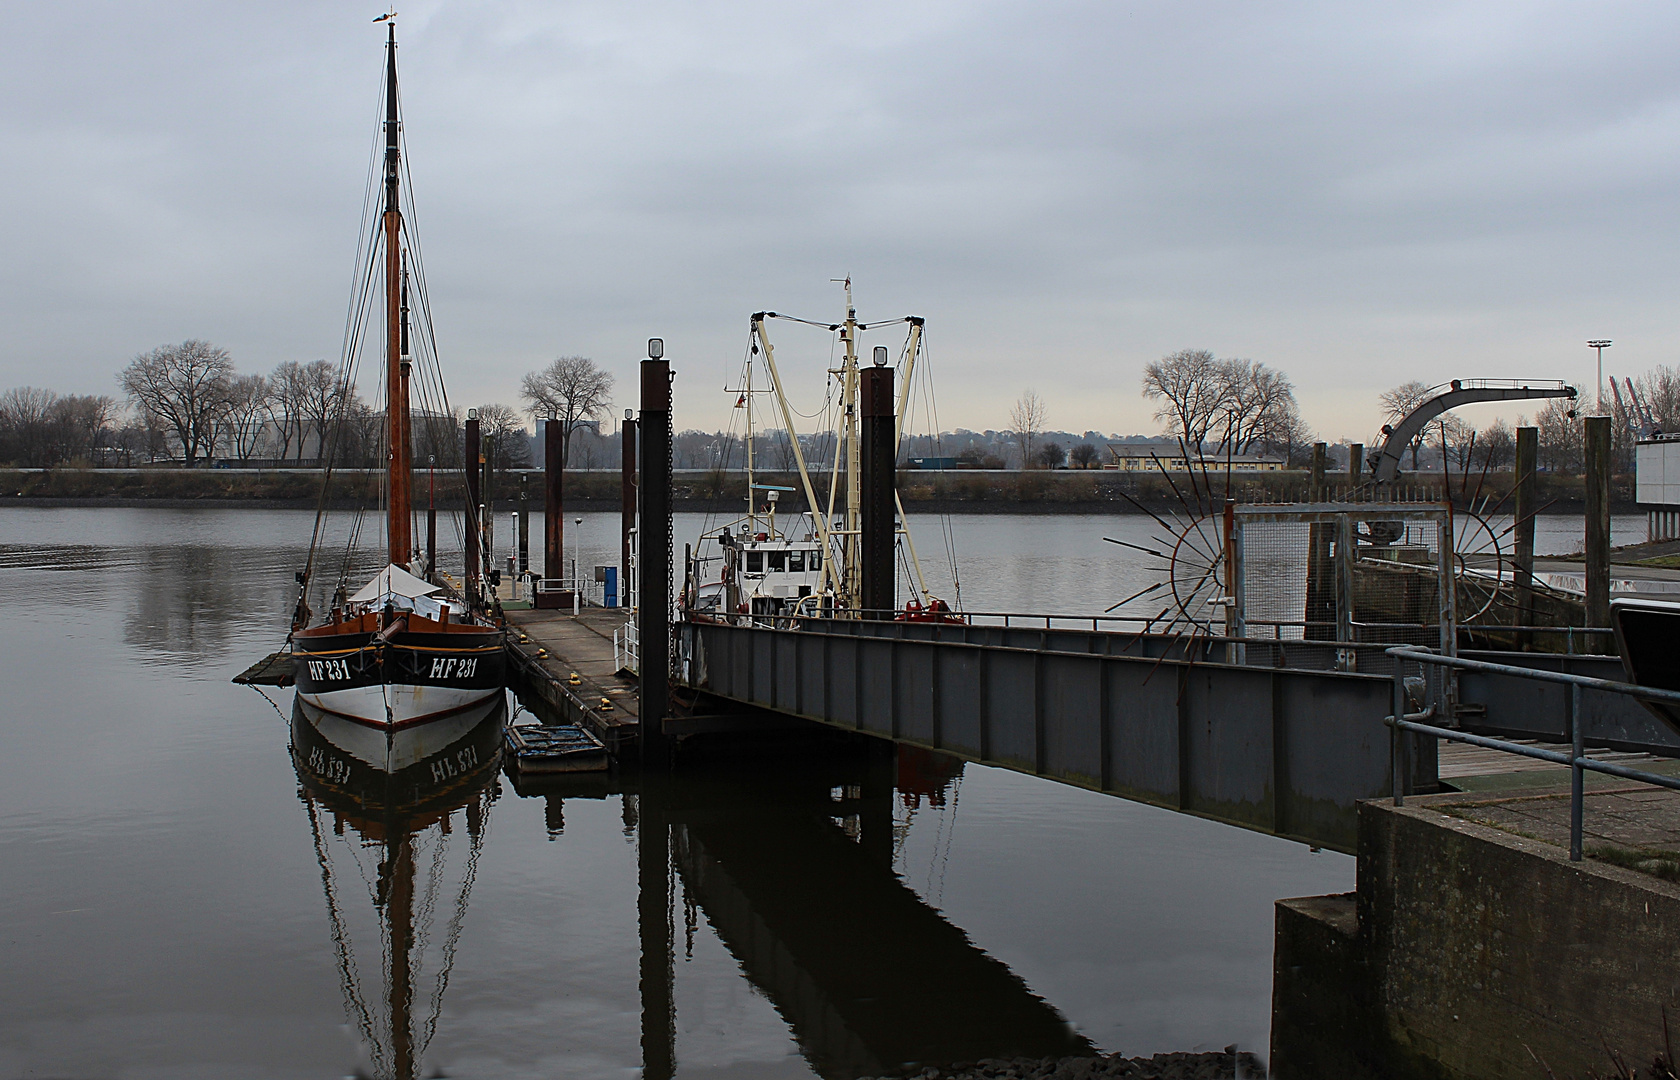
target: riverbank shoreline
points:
(1073, 492)
(593, 506)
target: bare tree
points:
(321, 396)
(1660, 389)
(1496, 446)
(1559, 436)
(1051, 455)
(356, 433)
(285, 405)
(1398, 404)
(569, 391)
(692, 449)
(1258, 404)
(437, 438)
(1084, 455)
(142, 437)
(513, 447)
(1455, 438)
(25, 419)
(1191, 388)
(247, 408)
(781, 455)
(1245, 402)
(1290, 436)
(1026, 420)
(185, 387)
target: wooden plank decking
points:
(546, 647)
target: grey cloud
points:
(1356, 193)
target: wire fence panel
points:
(1349, 573)
(1273, 584)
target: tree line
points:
(187, 404)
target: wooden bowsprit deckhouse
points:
(399, 668)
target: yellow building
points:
(1152, 457)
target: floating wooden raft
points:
(558, 748)
(274, 669)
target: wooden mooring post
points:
(554, 515)
(653, 612)
(1528, 447)
(1598, 520)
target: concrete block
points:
(1488, 950)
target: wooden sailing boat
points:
(399, 667)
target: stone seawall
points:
(1472, 952)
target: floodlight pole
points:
(1600, 346)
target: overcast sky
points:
(1358, 194)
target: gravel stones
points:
(1229, 1064)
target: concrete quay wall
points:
(1468, 951)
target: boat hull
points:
(1648, 638)
(412, 679)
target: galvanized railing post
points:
(1397, 735)
(1576, 773)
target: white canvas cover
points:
(394, 581)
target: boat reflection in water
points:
(794, 871)
(398, 835)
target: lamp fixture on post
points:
(1600, 345)
(577, 582)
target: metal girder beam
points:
(1282, 751)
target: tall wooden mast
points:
(399, 513)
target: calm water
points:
(173, 901)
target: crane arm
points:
(1386, 464)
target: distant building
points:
(939, 463)
(1153, 457)
(1656, 485)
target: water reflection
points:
(790, 859)
(394, 837)
(792, 867)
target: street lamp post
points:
(577, 583)
(1600, 346)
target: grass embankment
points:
(1060, 491)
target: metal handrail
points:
(1577, 760)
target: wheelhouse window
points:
(796, 562)
(778, 560)
(755, 562)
